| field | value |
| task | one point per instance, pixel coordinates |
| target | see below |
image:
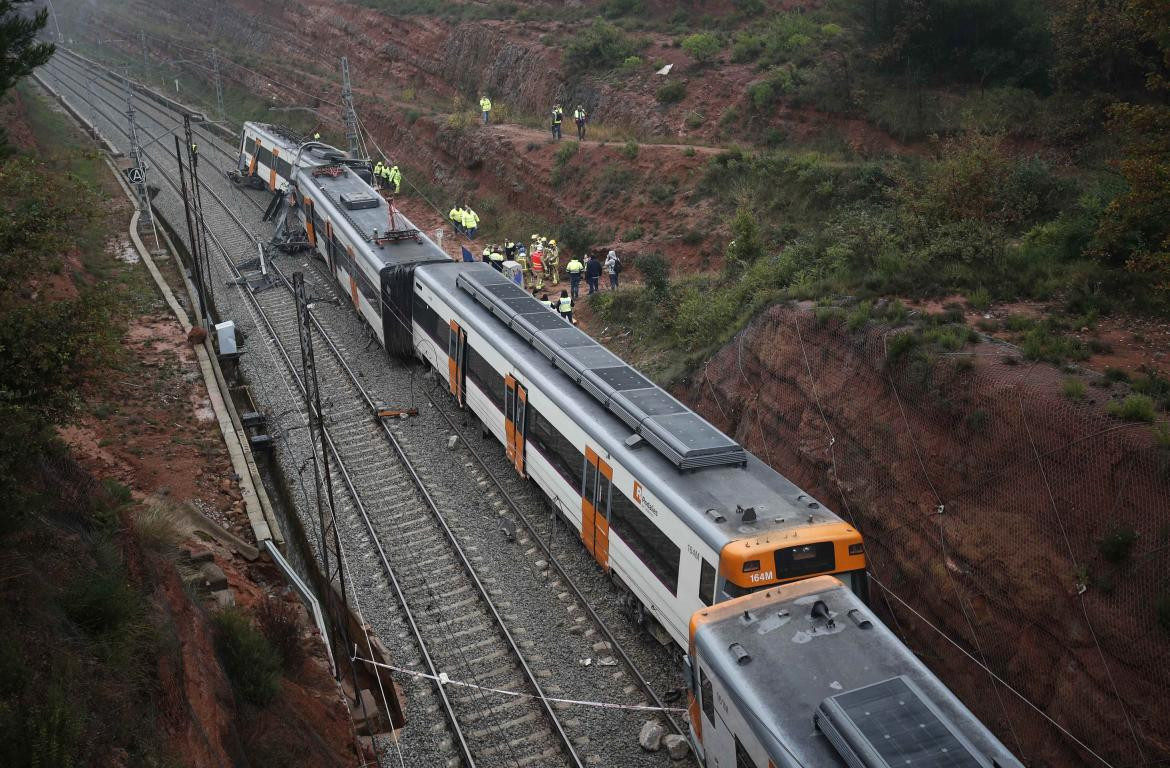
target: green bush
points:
(1074, 389)
(1041, 344)
(662, 194)
(600, 47)
(693, 120)
(613, 9)
(703, 47)
(631, 63)
(412, 116)
(1134, 407)
(655, 272)
(1118, 544)
(251, 663)
(672, 92)
(566, 152)
(633, 233)
(747, 47)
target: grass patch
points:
(1134, 407)
(672, 92)
(1073, 389)
(251, 662)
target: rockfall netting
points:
(1018, 538)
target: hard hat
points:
(535, 236)
(552, 242)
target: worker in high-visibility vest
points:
(565, 307)
(394, 176)
(575, 269)
(379, 174)
(485, 106)
(538, 268)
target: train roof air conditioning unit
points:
(356, 201)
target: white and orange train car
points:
(676, 512)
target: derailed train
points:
(681, 517)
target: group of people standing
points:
(464, 219)
(387, 176)
(580, 117)
(592, 270)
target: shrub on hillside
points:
(251, 663)
(672, 92)
(655, 272)
(1134, 407)
(702, 47)
(599, 47)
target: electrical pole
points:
(203, 260)
(352, 135)
(330, 538)
(218, 84)
(196, 270)
(137, 173)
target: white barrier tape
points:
(443, 679)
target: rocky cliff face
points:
(984, 499)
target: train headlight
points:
(857, 549)
(751, 565)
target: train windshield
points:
(857, 581)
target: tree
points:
(1136, 225)
(20, 53)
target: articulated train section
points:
(553, 549)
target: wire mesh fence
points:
(1019, 538)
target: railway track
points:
(461, 622)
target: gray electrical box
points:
(226, 336)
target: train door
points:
(595, 506)
(255, 155)
(310, 229)
(272, 170)
(353, 286)
(515, 420)
(456, 344)
(329, 247)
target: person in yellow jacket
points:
(485, 106)
(565, 307)
(394, 176)
(496, 259)
(378, 175)
(456, 217)
(575, 269)
(470, 221)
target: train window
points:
(283, 168)
(427, 320)
(805, 560)
(602, 503)
(487, 378)
(369, 291)
(658, 553)
(587, 488)
(555, 447)
(263, 156)
(707, 695)
(742, 758)
(707, 583)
